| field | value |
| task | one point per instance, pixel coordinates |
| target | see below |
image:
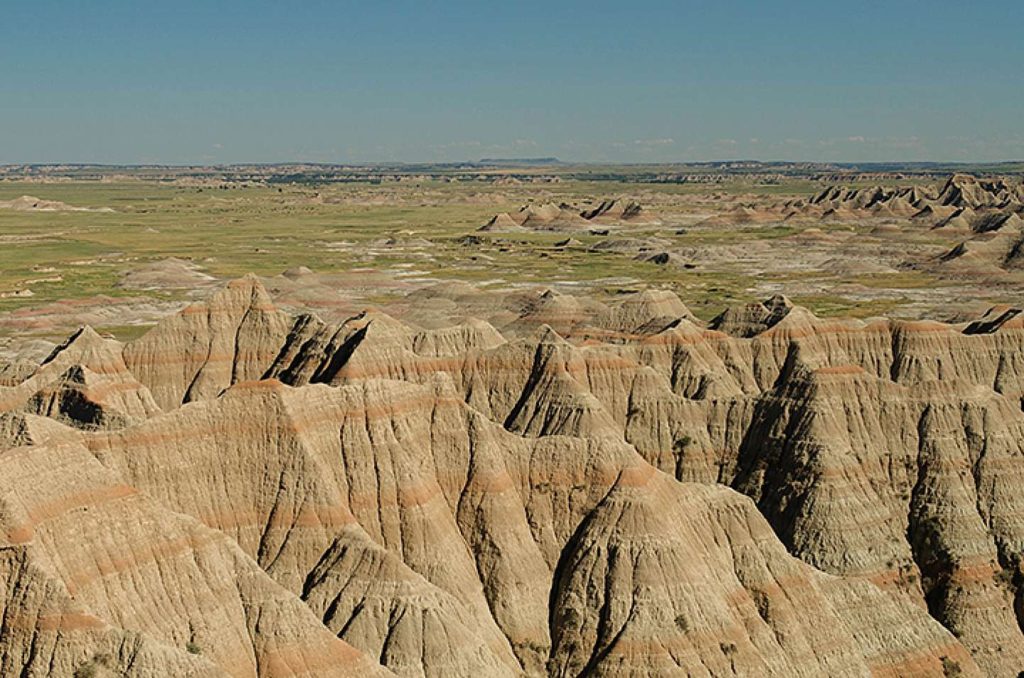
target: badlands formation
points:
(564, 217)
(611, 489)
(434, 448)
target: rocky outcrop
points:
(611, 211)
(436, 539)
(963, 203)
(84, 382)
(565, 217)
(210, 345)
(664, 578)
(101, 580)
(628, 493)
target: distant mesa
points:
(517, 162)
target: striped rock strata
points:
(452, 502)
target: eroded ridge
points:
(608, 490)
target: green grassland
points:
(265, 229)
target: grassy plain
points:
(415, 229)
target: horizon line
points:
(529, 162)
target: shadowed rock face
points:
(564, 217)
(633, 495)
(987, 211)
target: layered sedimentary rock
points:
(99, 579)
(210, 345)
(565, 217)
(564, 500)
(963, 204)
(86, 382)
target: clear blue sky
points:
(206, 81)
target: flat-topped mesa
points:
(28, 203)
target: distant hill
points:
(520, 161)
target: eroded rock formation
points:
(611, 489)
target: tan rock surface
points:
(450, 501)
(97, 574)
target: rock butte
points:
(564, 217)
(604, 490)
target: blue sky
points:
(218, 81)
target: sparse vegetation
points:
(90, 668)
(683, 442)
(951, 668)
(265, 227)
